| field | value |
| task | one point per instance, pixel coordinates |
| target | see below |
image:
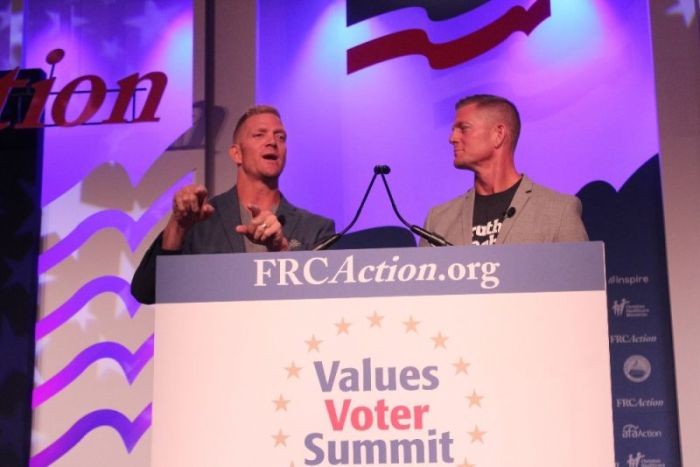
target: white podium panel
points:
(497, 370)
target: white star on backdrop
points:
(83, 318)
(6, 20)
(38, 379)
(76, 21)
(111, 48)
(107, 366)
(55, 18)
(6, 17)
(152, 23)
(38, 349)
(686, 8)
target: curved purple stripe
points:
(130, 432)
(131, 364)
(448, 54)
(86, 293)
(133, 231)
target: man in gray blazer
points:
(251, 217)
(503, 206)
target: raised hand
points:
(190, 205)
(264, 229)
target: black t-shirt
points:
(489, 212)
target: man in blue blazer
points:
(503, 206)
(253, 216)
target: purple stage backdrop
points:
(581, 76)
(361, 83)
(106, 190)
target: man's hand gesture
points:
(190, 205)
(264, 229)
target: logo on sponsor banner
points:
(373, 411)
(639, 459)
(638, 403)
(637, 368)
(624, 307)
(632, 339)
(628, 280)
(631, 431)
(314, 271)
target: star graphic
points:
(343, 327)
(293, 371)
(280, 438)
(461, 366)
(38, 379)
(375, 320)
(106, 366)
(76, 21)
(313, 343)
(21, 271)
(281, 403)
(83, 318)
(685, 8)
(5, 17)
(152, 23)
(466, 464)
(439, 340)
(40, 437)
(477, 435)
(55, 18)
(411, 325)
(110, 49)
(474, 399)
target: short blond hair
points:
(502, 105)
(254, 110)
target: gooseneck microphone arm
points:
(431, 237)
(325, 244)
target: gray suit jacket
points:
(217, 234)
(541, 216)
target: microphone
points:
(327, 243)
(508, 213)
(432, 238)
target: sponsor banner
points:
(473, 379)
(625, 308)
(646, 438)
(632, 338)
(380, 272)
(638, 403)
(641, 352)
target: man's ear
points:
(500, 133)
(234, 152)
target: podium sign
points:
(460, 356)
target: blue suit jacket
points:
(217, 234)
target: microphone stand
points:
(325, 244)
(432, 238)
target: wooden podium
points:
(460, 356)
